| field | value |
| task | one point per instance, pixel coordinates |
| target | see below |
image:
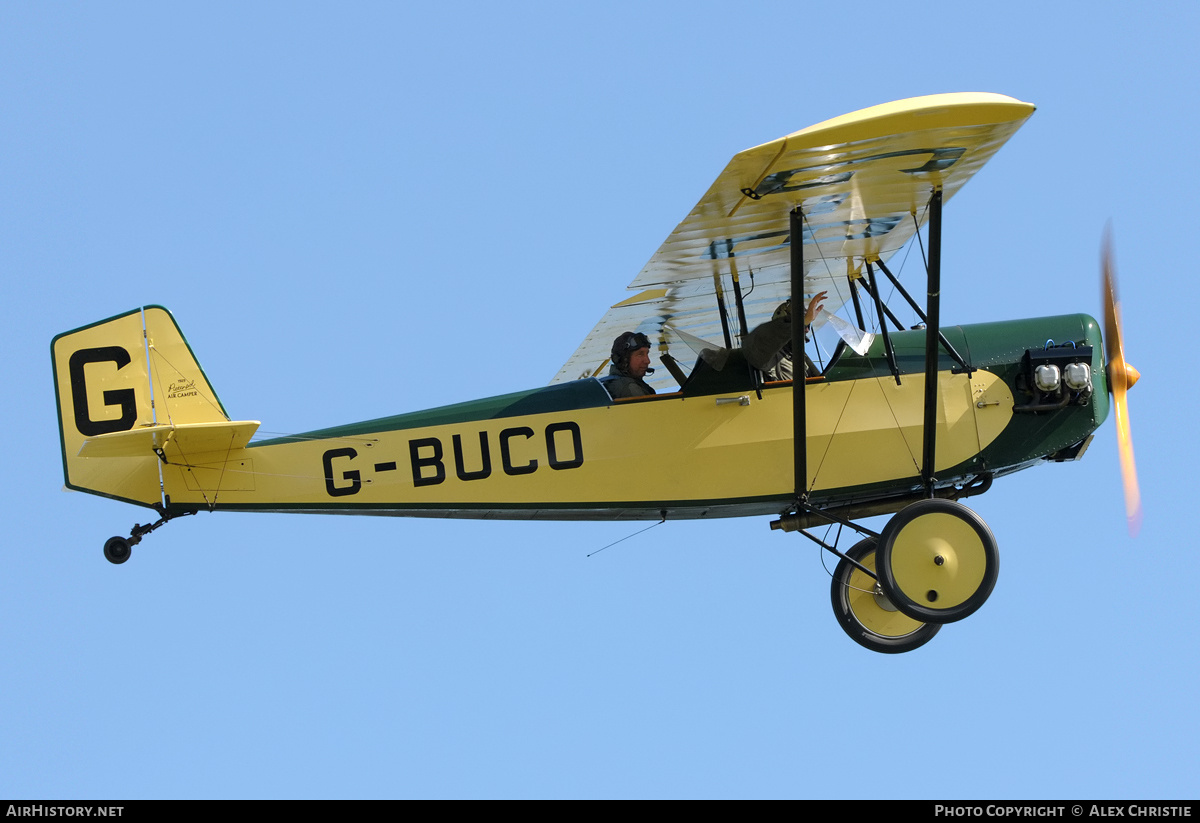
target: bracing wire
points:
(635, 534)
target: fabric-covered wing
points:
(863, 182)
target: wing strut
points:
(932, 333)
(799, 416)
(741, 310)
(737, 297)
(950, 350)
(880, 308)
(862, 324)
(720, 294)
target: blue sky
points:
(358, 210)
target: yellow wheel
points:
(938, 561)
(866, 614)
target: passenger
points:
(769, 346)
(630, 363)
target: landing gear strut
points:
(118, 549)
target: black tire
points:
(938, 561)
(117, 550)
(867, 616)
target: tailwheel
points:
(117, 550)
(937, 561)
(866, 614)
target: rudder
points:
(128, 371)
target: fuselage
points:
(719, 447)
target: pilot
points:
(630, 364)
(769, 346)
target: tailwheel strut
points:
(118, 549)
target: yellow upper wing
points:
(862, 180)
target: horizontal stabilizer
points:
(184, 439)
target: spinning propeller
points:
(1121, 378)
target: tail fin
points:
(131, 371)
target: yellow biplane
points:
(894, 421)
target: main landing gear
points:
(864, 611)
(935, 562)
(118, 549)
(938, 561)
